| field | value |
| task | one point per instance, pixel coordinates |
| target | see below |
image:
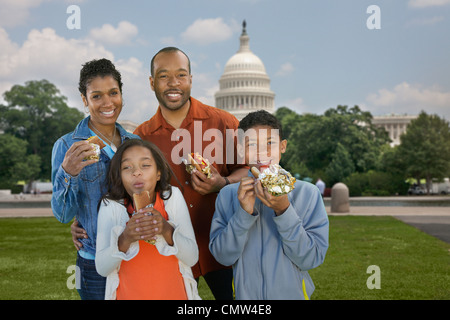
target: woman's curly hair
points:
(97, 68)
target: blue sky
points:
(318, 54)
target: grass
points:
(36, 252)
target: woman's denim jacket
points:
(79, 196)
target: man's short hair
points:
(166, 50)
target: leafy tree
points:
(38, 114)
(341, 165)
(425, 148)
(313, 141)
(15, 163)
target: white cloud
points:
(297, 105)
(285, 69)
(14, 13)
(46, 55)
(427, 3)
(122, 35)
(410, 99)
(425, 21)
(206, 31)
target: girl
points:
(78, 184)
(136, 269)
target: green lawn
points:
(36, 252)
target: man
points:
(321, 185)
(182, 121)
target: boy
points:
(271, 241)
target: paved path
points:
(432, 220)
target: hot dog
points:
(196, 161)
(275, 179)
(142, 200)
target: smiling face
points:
(139, 171)
(263, 146)
(172, 81)
(104, 99)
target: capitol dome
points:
(244, 85)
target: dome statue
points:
(244, 85)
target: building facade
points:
(394, 124)
(244, 85)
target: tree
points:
(38, 114)
(341, 165)
(425, 148)
(15, 163)
(313, 141)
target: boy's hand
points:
(246, 194)
(278, 203)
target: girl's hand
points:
(137, 228)
(158, 225)
(73, 160)
(246, 194)
(278, 203)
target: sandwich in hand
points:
(197, 162)
(96, 144)
(142, 200)
(275, 179)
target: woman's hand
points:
(73, 161)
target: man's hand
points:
(77, 233)
(204, 185)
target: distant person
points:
(78, 184)
(171, 80)
(136, 269)
(271, 241)
(321, 185)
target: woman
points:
(78, 184)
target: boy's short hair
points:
(259, 118)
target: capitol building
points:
(244, 85)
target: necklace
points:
(111, 143)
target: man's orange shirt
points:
(199, 119)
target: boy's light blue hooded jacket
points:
(270, 255)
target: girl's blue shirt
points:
(79, 196)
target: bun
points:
(255, 172)
(141, 200)
(194, 163)
(96, 140)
